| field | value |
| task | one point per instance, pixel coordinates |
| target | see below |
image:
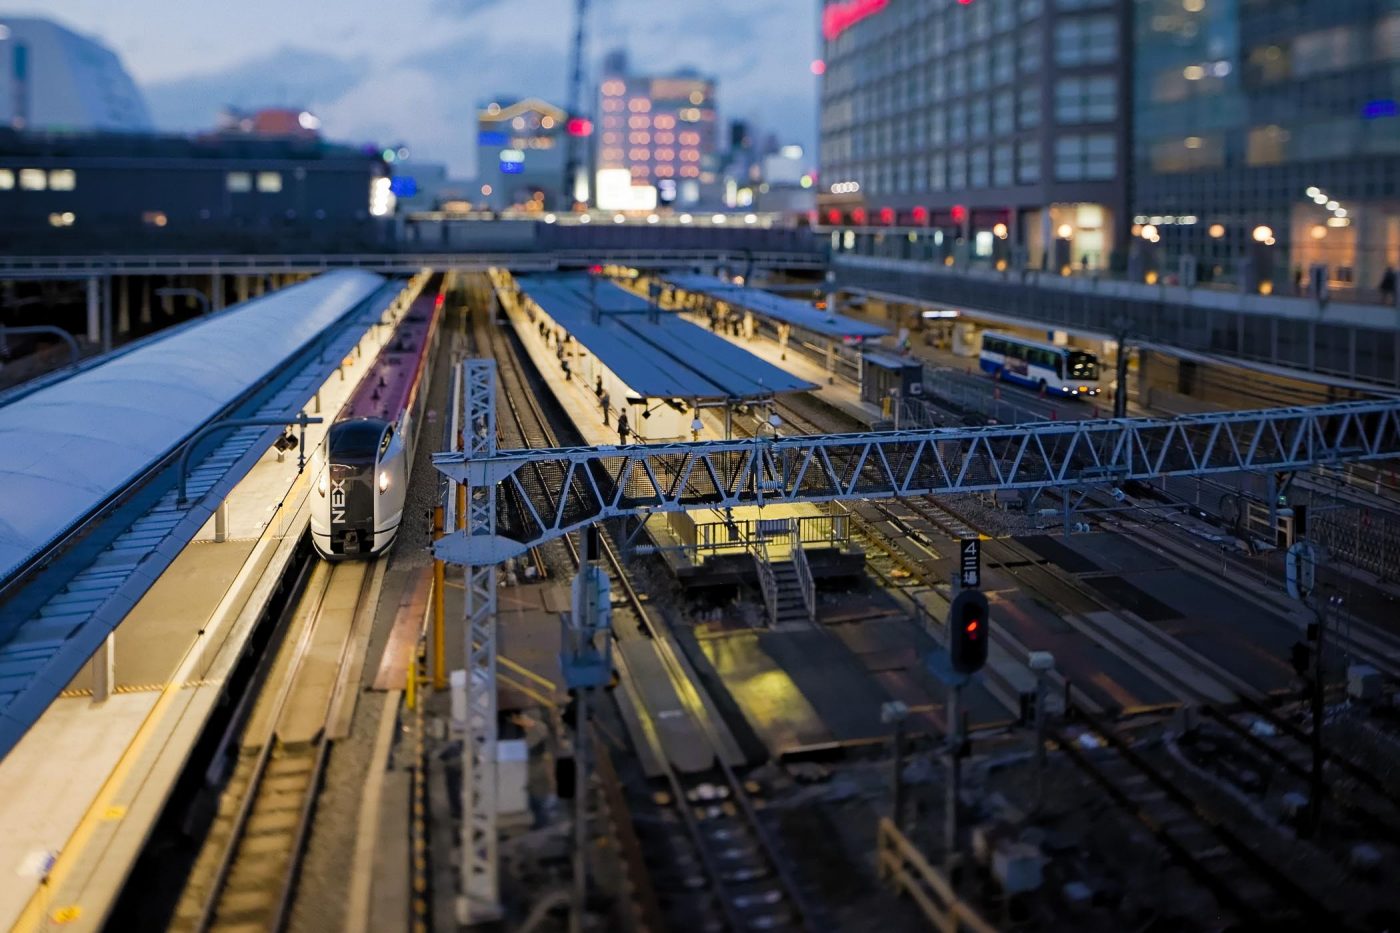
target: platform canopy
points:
(799, 314)
(68, 447)
(657, 355)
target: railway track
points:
(726, 869)
(247, 872)
(1242, 880)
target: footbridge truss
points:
(573, 487)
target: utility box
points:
(1363, 682)
(1018, 868)
(513, 779)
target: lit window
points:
(33, 179)
(66, 219)
(7, 179)
(63, 179)
(269, 182)
(238, 182)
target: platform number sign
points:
(970, 567)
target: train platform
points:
(74, 832)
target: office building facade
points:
(522, 147)
(107, 192)
(1269, 130)
(53, 79)
(1002, 125)
(657, 140)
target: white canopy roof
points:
(67, 447)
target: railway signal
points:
(968, 631)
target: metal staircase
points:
(789, 591)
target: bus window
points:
(1060, 365)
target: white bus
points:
(1062, 370)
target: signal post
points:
(968, 640)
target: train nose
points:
(350, 542)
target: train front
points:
(353, 483)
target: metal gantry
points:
(480, 882)
(593, 483)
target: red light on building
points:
(959, 213)
(838, 17)
(921, 215)
(965, 2)
(887, 216)
(819, 67)
(578, 126)
(833, 217)
(858, 216)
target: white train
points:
(362, 473)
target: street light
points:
(1263, 233)
(1065, 231)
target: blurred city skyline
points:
(416, 74)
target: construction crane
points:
(576, 136)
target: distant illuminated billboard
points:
(492, 138)
(403, 186)
(617, 193)
(838, 17)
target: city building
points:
(114, 191)
(521, 152)
(1269, 130)
(53, 79)
(1002, 125)
(658, 142)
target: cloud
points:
(291, 77)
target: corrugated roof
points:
(664, 358)
(68, 447)
(799, 314)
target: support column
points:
(124, 307)
(106, 314)
(216, 292)
(221, 522)
(145, 300)
(104, 670)
(94, 311)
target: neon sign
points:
(838, 17)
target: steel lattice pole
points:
(480, 880)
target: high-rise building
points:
(520, 154)
(1269, 130)
(1001, 124)
(658, 139)
(52, 79)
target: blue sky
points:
(413, 70)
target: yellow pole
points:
(439, 636)
(411, 689)
(461, 506)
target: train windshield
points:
(356, 443)
(1082, 366)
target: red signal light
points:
(972, 628)
(858, 216)
(959, 213)
(578, 126)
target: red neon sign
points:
(838, 17)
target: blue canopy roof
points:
(665, 357)
(799, 314)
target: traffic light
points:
(968, 631)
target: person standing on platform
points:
(605, 400)
(623, 429)
(1387, 287)
(568, 373)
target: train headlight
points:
(383, 480)
(321, 485)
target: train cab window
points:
(356, 442)
(384, 444)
